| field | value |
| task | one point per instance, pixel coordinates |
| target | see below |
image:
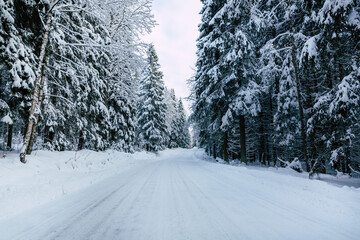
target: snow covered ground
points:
(175, 195)
(51, 175)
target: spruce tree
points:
(182, 128)
(285, 74)
(152, 109)
(206, 77)
(333, 50)
(122, 109)
(171, 118)
(76, 115)
(17, 60)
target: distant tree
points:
(182, 127)
(171, 118)
(126, 21)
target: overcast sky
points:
(175, 41)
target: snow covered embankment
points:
(51, 175)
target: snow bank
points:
(340, 180)
(51, 175)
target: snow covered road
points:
(183, 197)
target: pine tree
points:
(152, 112)
(287, 126)
(122, 108)
(280, 61)
(126, 21)
(86, 55)
(206, 77)
(171, 118)
(77, 80)
(238, 69)
(17, 65)
(225, 72)
(333, 123)
(283, 73)
(182, 128)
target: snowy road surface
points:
(183, 197)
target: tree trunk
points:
(225, 148)
(311, 88)
(214, 151)
(51, 136)
(37, 114)
(35, 98)
(81, 140)
(262, 147)
(242, 139)
(272, 147)
(32, 137)
(347, 160)
(9, 136)
(298, 90)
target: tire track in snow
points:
(299, 219)
(106, 217)
(180, 198)
(219, 224)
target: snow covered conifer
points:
(152, 109)
(171, 118)
(280, 56)
(183, 135)
(238, 71)
(122, 109)
(287, 126)
(125, 21)
(333, 122)
(17, 61)
(206, 76)
(225, 72)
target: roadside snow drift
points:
(50, 175)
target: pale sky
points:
(175, 41)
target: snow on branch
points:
(353, 170)
(295, 164)
(3, 105)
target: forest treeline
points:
(279, 80)
(71, 73)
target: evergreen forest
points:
(278, 82)
(75, 75)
